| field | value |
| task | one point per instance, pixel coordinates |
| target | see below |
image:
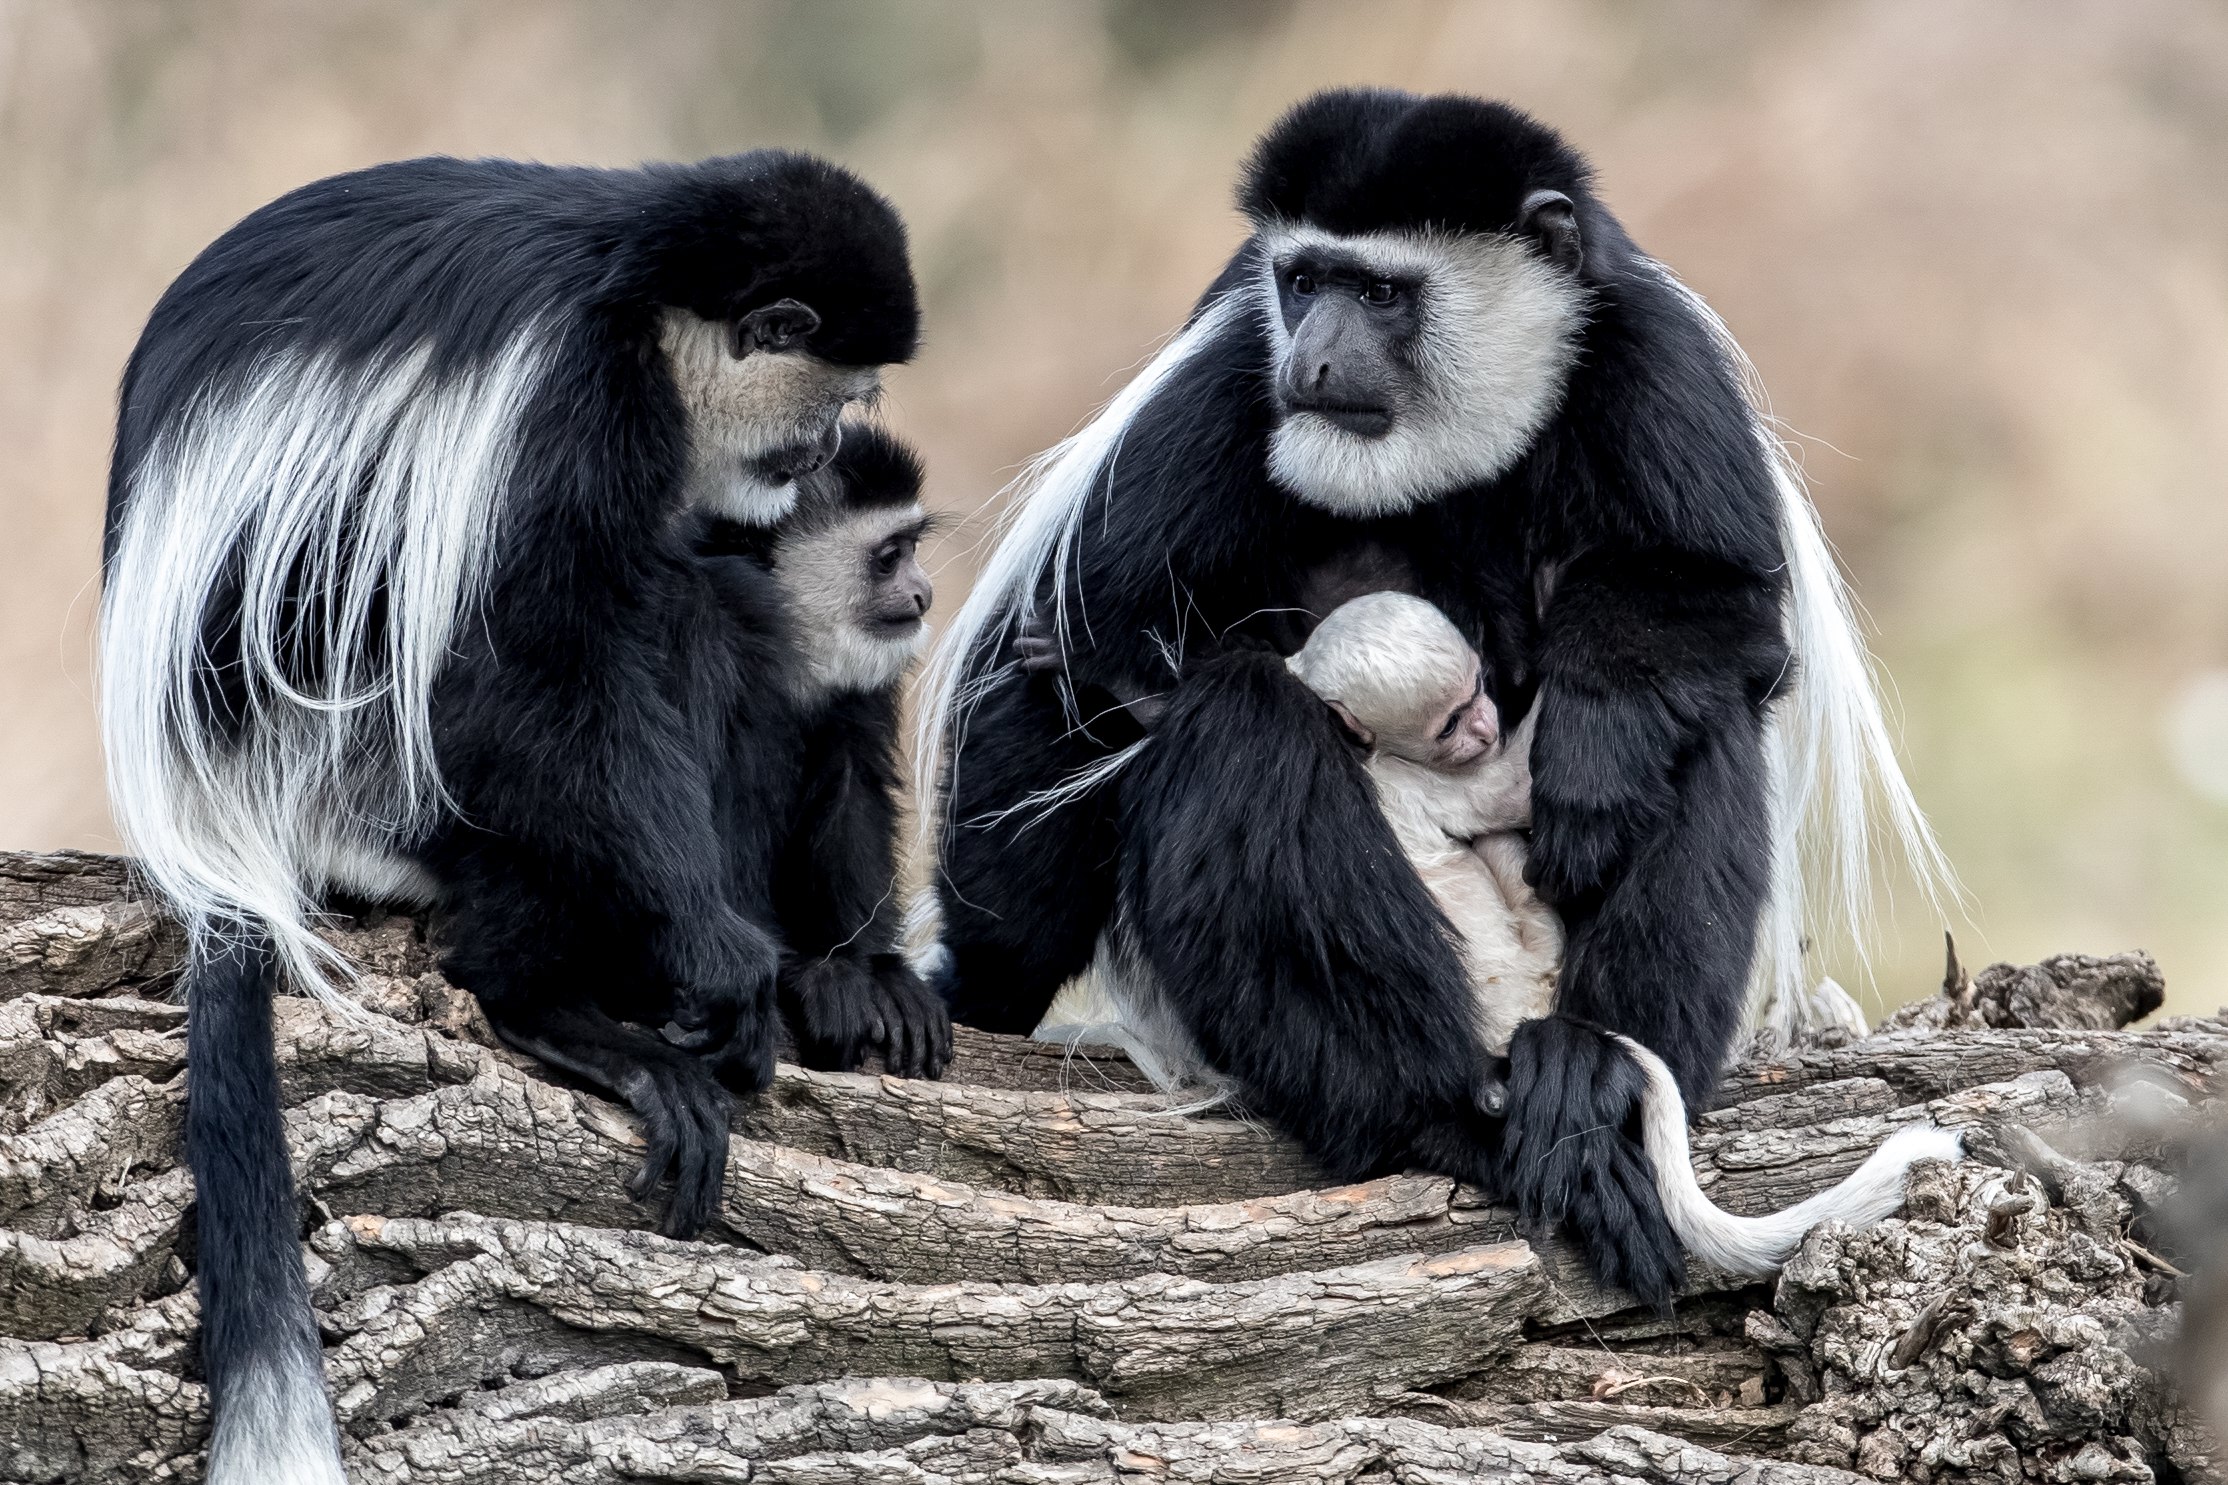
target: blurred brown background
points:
(1979, 251)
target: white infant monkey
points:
(1458, 795)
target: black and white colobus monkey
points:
(400, 601)
(846, 562)
(1456, 791)
(1438, 364)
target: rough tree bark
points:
(1036, 1271)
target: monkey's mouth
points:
(900, 629)
(794, 461)
(1362, 419)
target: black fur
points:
(1268, 894)
(845, 988)
(248, 1257)
(1343, 1038)
(612, 725)
(873, 469)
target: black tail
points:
(259, 1343)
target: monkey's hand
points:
(1033, 645)
(1493, 1088)
(1567, 1163)
(722, 973)
(845, 1007)
(1038, 652)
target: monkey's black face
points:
(897, 589)
(1352, 332)
(856, 588)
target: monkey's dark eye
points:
(1454, 720)
(1384, 291)
(1303, 284)
(887, 560)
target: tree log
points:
(1037, 1270)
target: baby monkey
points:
(1457, 793)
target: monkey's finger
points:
(1036, 653)
(660, 1138)
(700, 1162)
(901, 1053)
(940, 1031)
(694, 1039)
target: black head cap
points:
(741, 232)
(1358, 160)
(875, 467)
(872, 469)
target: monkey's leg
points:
(844, 989)
(1650, 834)
(548, 974)
(1310, 964)
(1024, 888)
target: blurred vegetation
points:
(1980, 253)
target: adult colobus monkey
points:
(1438, 364)
(397, 568)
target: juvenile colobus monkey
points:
(846, 562)
(401, 600)
(1457, 793)
(1438, 359)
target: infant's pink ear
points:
(1353, 724)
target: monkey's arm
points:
(1649, 800)
(581, 828)
(1038, 652)
(845, 989)
(1649, 834)
(597, 772)
(1303, 952)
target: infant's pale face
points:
(1459, 727)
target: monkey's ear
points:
(1550, 220)
(1353, 724)
(779, 326)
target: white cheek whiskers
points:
(845, 661)
(741, 410)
